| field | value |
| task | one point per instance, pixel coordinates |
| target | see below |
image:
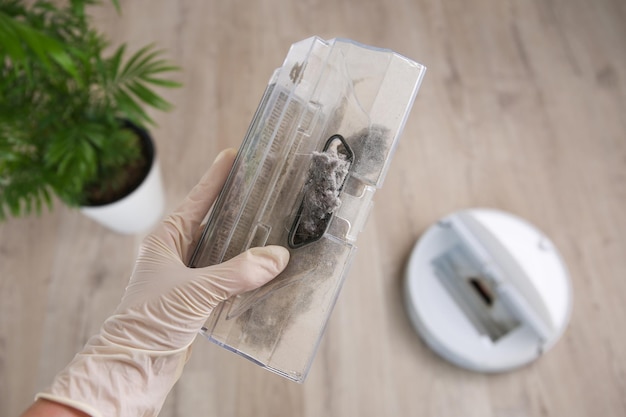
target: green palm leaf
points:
(61, 101)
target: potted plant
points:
(72, 123)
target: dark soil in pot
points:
(130, 177)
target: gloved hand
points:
(131, 365)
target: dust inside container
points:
(338, 102)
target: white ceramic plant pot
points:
(141, 209)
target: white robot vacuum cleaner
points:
(487, 291)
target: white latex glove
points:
(130, 366)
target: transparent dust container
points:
(316, 151)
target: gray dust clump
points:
(327, 174)
(312, 273)
(371, 148)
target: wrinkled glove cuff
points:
(106, 379)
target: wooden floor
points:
(523, 108)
